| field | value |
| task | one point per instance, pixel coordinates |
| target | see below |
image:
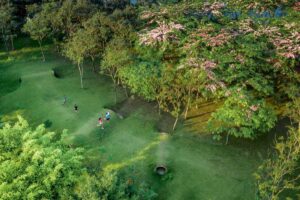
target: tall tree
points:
(70, 15)
(172, 93)
(116, 56)
(242, 116)
(7, 24)
(280, 172)
(75, 49)
(98, 32)
(61, 18)
(38, 29)
(142, 78)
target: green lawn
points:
(199, 168)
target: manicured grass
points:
(199, 168)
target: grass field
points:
(199, 168)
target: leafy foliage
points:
(109, 185)
(8, 23)
(185, 52)
(36, 164)
(242, 116)
(279, 173)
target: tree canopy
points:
(8, 23)
(186, 52)
(38, 164)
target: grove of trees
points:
(8, 24)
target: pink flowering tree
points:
(209, 58)
(162, 33)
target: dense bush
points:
(37, 164)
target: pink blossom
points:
(288, 55)
(227, 93)
(160, 33)
(297, 6)
(209, 64)
(239, 58)
(254, 107)
(211, 87)
(193, 62)
(204, 35)
(217, 40)
(214, 7)
(221, 84)
(147, 15)
(245, 26)
(287, 46)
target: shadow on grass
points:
(164, 121)
(47, 123)
(140, 155)
(62, 71)
(9, 82)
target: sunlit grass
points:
(142, 154)
(29, 53)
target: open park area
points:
(146, 100)
(198, 167)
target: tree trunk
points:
(115, 85)
(43, 56)
(12, 42)
(56, 43)
(126, 92)
(57, 48)
(80, 69)
(175, 123)
(197, 100)
(227, 138)
(4, 40)
(187, 108)
(93, 64)
(82, 75)
(158, 106)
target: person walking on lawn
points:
(107, 116)
(76, 108)
(65, 100)
(100, 121)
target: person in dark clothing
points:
(76, 108)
